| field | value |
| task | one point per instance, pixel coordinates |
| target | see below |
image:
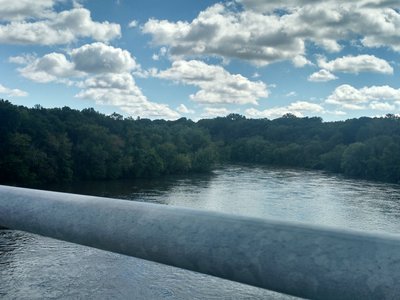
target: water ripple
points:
(34, 267)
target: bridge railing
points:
(291, 258)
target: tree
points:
(354, 160)
(39, 145)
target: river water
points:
(34, 267)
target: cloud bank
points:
(265, 32)
(102, 72)
(38, 24)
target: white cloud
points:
(58, 28)
(356, 64)
(346, 94)
(271, 113)
(23, 59)
(298, 108)
(271, 5)
(305, 106)
(381, 93)
(384, 106)
(12, 92)
(300, 61)
(216, 84)
(337, 113)
(121, 90)
(210, 112)
(217, 31)
(95, 58)
(24, 9)
(101, 58)
(261, 34)
(123, 82)
(133, 24)
(352, 98)
(184, 110)
(322, 76)
(102, 72)
(50, 67)
(161, 53)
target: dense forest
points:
(40, 145)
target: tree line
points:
(367, 148)
(40, 145)
(62, 144)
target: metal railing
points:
(296, 259)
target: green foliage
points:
(354, 160)
(203, 160)
(366, 148)
(51, 145)
(41, 145)
(332, 160)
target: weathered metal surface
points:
(305, 261)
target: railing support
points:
(300, 260)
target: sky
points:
(201, 59)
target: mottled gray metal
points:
(295, 259)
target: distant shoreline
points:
(46, 146)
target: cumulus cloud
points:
(184, 110)
(210, 112)
(298, 108)
(22, 59)
(260, 39)
(383, 106)
(346, 94)
(95, 58)
(300, 61)
(12, 92)
(322, 76)
(264, 32)
(102, 58)
(121, 90)
(305, 106)
(58, 28)
(326, 23)
(352, 98)
(24, 9)
(216, 84)
(356, 64)
(102, 72)
(272, 5)
(50, 67)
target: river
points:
(34, 267)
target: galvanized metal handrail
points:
(305, 261)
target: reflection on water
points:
(33, 267)
(293, 195)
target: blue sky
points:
(199, 59)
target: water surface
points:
(33, 267)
